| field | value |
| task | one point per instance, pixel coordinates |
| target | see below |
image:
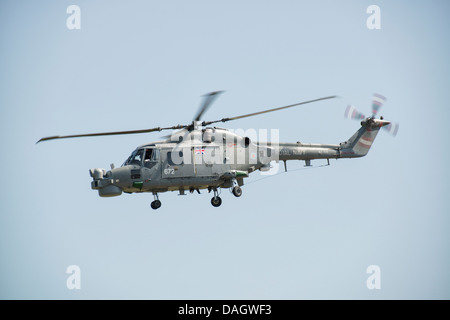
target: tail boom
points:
(357, 146)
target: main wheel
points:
(237, 191)
(216, 201)
(155, 204)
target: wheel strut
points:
(216, 201)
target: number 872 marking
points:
(169, 171)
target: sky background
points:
(309, 233)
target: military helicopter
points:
(198, 156)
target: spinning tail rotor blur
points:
(377, 102)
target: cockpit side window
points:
(148, 154)
(155, 155)
(151, 158)
(151, 155)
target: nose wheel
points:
(156, 203)
(237, 191)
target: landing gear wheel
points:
(237, 191)
(216, 201)
(155, 204)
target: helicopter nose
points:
(103, 182)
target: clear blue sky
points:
(309, 233)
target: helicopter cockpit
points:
(147, 157)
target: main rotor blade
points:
(266, 111)
(111, 133)
(209, 99)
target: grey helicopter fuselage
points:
(198, 156)
(213, 158)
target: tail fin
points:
(359, 144)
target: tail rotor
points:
(377, 102)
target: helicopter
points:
(199, 156)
